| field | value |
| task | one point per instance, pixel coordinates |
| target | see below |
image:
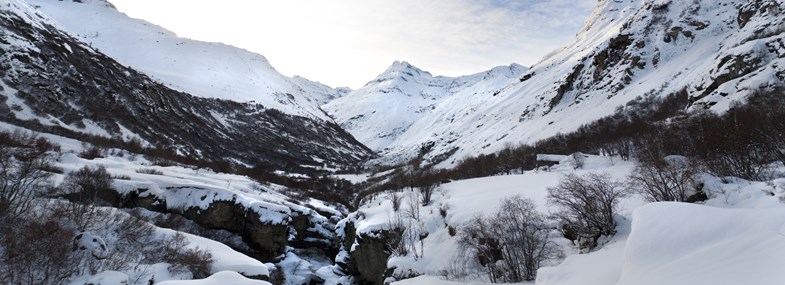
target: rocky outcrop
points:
(365, 254)
(267, 239)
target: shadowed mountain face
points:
(51, 82)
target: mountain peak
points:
(404, 67)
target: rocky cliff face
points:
(50, 81)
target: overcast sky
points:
(349, 42)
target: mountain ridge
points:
(51, 82)
(388, 106)
(719, 51)
(204, 69)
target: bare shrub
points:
(585, 206)
(669, 179)
(150, 171)
(85, 188)
(121, 177)
(396, 199)
(512, 244)
(36, 252)
(91, 151)
(184, 259)
(24, 160)
(137, 243)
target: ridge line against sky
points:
(348, 42)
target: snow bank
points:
(677, 243)
(220, 278)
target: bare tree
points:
(585, 205)
(669, 179)
(36, 251)
(512, 244)
(23, 176)
(84, 187)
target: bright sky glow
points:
(349, 42)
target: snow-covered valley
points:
(129, 155)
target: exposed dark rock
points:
(568, 85)
(370, 256)
(735, 67)
(268, 240)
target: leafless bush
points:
(183, 259)
(121, 177)
(669, 179)
(36, 252)
(91, 151)
(585, 206)
(24, 160)
(396, 198)
(83, 188)
(137, 244)
(149, 171)
(512, 244)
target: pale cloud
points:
(348, 42)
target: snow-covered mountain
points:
(210, 70)
(718, 50)
(52, 82)
(394, 113)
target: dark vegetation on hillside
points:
(45, 230)
(741, 142)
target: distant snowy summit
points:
(210, 70)
(400, 103)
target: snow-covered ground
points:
(220, 278)
(185, 187)
(736, 237)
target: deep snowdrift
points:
(676, 243)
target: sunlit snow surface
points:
(736, 237)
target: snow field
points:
(735, 237)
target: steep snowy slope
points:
(50, 81)
(718, 50)
(390, 112)
(210, 70)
